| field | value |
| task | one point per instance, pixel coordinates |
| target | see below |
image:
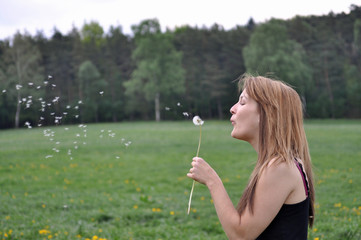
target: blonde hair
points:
(281, 133)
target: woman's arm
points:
(272, 190)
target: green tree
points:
(270, 50)
(352, 73)
(91, 91)
(92, 33)
(159, 71)
(117, 70)
(24, 74)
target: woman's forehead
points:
(243, 94)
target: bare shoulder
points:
(277, 169)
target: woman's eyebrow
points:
(243, 96)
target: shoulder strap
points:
(305, 183)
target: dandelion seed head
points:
(197, 121)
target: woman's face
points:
(245, 119)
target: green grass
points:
(141, 191)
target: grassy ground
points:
(127, 180)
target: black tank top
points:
(291, 222)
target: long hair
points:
(281, 133)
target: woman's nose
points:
(232, 110)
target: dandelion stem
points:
(200, 139)
(199, 145)
(190, 198)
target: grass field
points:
(83, 182)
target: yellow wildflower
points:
(337, 205)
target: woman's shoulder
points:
(279, 173)
(276, 166)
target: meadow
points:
(128, 180)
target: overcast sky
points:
(44, 15)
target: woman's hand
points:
(202, 172)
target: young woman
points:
(278, 200)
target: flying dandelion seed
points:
(50, 77)
(55, 100)
(179, 104)
(101, 93)
(48, 156)
(185, 114)
(18, 86)
(46, 83)
(167, 108)
(4, 91)
(30, 84)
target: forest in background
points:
(89, 75)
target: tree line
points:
(90, 75)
